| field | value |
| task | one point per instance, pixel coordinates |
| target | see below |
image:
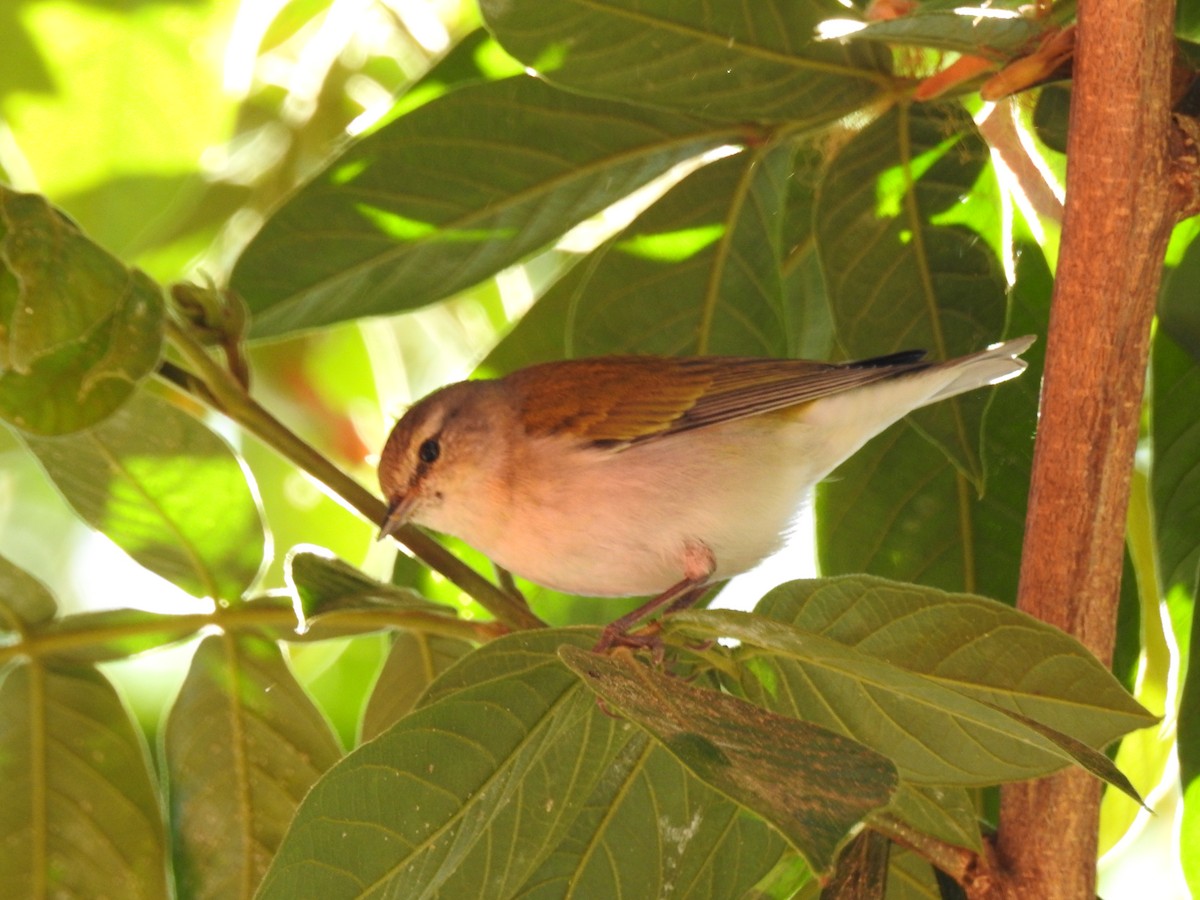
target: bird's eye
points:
(429, 451)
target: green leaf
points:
(896, 279)
(806, 304)
(450, 194)
(477, 57)
(962, 32)
(979, 647)
(243, 745)
(414, 660)
(698, 272)
(945, 813)
(1188, 748)
(168, 491)
(810, 783)
(80, 816)
(78, 330)
(1175, 487)
(495, 776)
(651, 829)
(726, 60)
(896, 509)
(24, 601)
(933, 732)
(1177, 310)
(115, 73)
(322, 583)
(1175, 474)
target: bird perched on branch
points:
(648, 475)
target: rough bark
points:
(1118, 217)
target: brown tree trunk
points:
(1117, 221)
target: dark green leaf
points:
(78, 330)
(896, 279)
(698, 272)
(168, 491)
(806, 303)
(24, 601)
(413, 662)
(982, 649)
(898, 510)
(1175, 480)
(80, 816)
(726, 60)
(651, 829)
(243, 744)
(450, 194)
(1050, 116)
(506, 769)
(811, 784)
(1178, 311)
(945, 813)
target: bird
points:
(649, 475)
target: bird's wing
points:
(625, 400)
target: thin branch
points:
(223, 392)
(1118, 219)
(250, 617)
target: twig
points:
(223, 392)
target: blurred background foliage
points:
(171, 131)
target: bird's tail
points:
(997, 363)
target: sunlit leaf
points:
(168, 491)
(243, 745)
(810, 783)
(1175, 486)
(80, 817)
(725, 59)
(698, 272)
(78, 330)
(980, 648)
(322, 583)
(450, 194)
(115, 75)
(935, 733)
(996, 37)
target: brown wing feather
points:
(623, 400)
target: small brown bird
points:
(647, 475)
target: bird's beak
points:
(398, 513)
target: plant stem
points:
(242, 617)
(223, 391)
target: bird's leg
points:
(698, 566)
